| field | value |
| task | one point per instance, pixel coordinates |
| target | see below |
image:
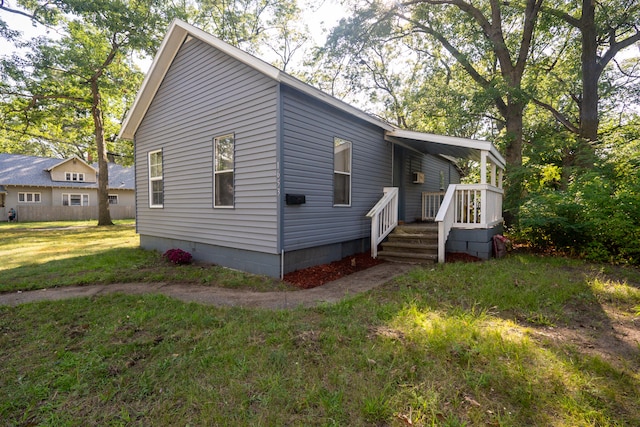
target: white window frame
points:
(157, 178)
(336, 143)
(23, 197)
(74, 176)
(112, 197)
(84, 199)
(217, 172)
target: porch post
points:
(483, 167)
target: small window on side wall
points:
(342, 151)
(223, 169)
(156, 180)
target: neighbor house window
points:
(341, 172)
(29, 197)
(223, 164)
(113, 199)
(156, 182)
(75, 200)
(74, 176)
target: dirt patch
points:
(320, 274)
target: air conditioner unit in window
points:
(418, 178)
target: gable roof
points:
(74, 158)
(179, 31)
(17, 169)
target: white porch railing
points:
(468, 206)
(384, 218)
(431, 204)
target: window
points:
(223, 163)
(74, 176)
(113, 199)
(156, 182)
(75, 200)
(341, 172)
(29, 197)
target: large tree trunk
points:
(104, 215)
(590, 73)
(513, 156)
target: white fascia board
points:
(453, 141)
(68, 160)
(176, 34)
(169, 47)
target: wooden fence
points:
(69, 213)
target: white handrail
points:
(468, 206)
(445, 219)
(384, 218)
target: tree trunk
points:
(104, 215)
(590, 73)
(513, 156)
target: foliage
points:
(454, 345)
(177, 256)
(596, 214)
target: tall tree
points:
(91, 62)
(490, 40)
(603, 29)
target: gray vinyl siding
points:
(431, 166)
(206, 94)
(309, 129)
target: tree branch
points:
(558, 116)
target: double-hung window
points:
(341, 172)
(223, 167)
(156, 181)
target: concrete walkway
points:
(327, 293)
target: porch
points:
(472, 211)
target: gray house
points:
(245, 166)
(48, 189)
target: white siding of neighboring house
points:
(206, 94)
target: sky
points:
(317, 14)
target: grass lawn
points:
(522, 341)
(54, 254)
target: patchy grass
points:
(45, 255)
(519, 341)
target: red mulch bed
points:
(320, 274)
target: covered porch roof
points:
(450, 146)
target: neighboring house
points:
(245, 166)
(45, 189)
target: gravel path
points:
(327, 293)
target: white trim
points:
(177, 33)
(454, 141)
(348, 173)
(83, 197)
(68, 160)
(224, 171)
(78, 175)
(155, 178)
(33, 197)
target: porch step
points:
(412, 243)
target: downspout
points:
(280, 176)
